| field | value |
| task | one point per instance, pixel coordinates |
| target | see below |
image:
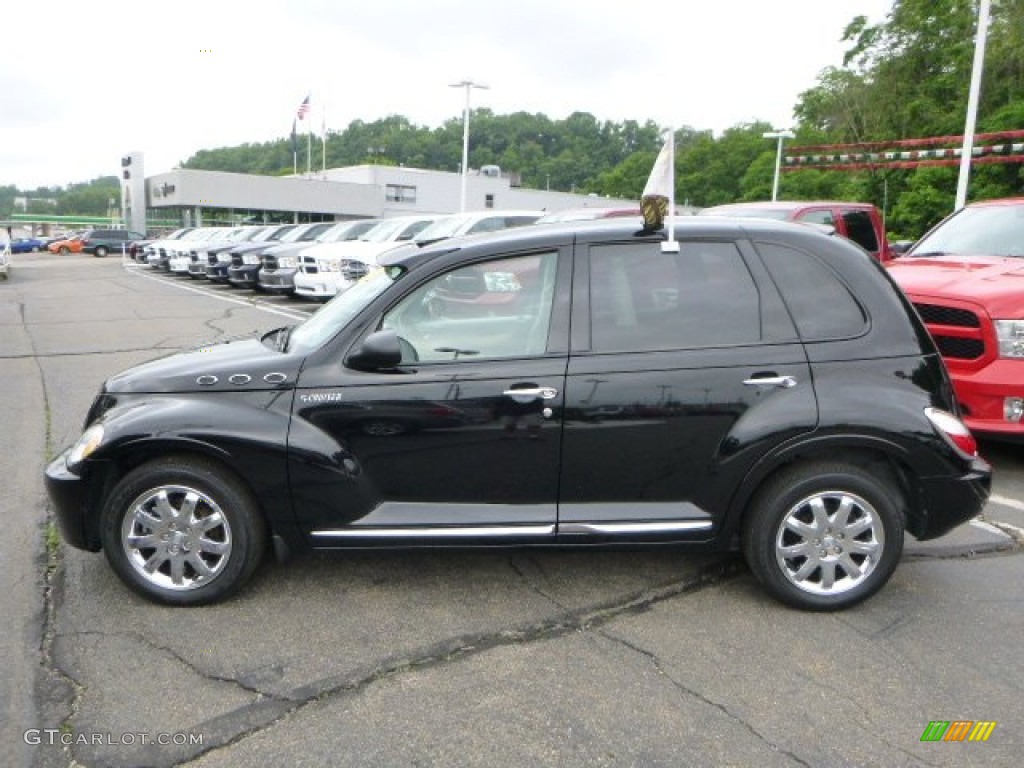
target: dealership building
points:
(195, 198)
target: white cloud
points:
(83, 83)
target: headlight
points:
(327, 266)
(86, 446)
(1010, 334)
(287, 262)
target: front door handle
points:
(544, 393)
(785, 382)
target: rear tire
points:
(65, 249)
(182, 531)
(100, 252)
(824, 536)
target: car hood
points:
(993, 282)
(358, 250)
(246, 365)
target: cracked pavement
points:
(461, 658)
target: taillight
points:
(951, 428)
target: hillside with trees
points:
(904, 78)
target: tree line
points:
(903, 78)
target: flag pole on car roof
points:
(658, 200)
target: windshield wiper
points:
(928, 255)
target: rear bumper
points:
(946, 502)
(982, 394)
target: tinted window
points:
(643, 299)
(494, 309)
(819, 302)
(860, 229)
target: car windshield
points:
(346, 230)
(305, 232)
(334, 315)
(384, 231)
(441, 229)
(991, 230)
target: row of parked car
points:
(317, 260)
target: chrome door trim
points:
(436, 533)
(661, 527)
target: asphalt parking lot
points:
(511, 657)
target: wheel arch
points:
(131, 455)
(878, 456)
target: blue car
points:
(27, 245)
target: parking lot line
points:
(292, 314)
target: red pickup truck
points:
(860, 222)
(966, 278)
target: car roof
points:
(616, 229)
(998, 201)
(784, 205)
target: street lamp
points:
(781, 136)
(468, 85)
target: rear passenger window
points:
(819, 302)
(642, 299)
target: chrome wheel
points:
(176, 537)
(829, 543)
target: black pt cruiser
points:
(761, 387)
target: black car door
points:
(684, 368)
(463, 439)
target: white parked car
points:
(179, 253)
(327, 269)
(473, 223)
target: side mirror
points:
(380, 350)
(900, 247)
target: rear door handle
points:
(785, 382)
(544, 393)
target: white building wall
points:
(359, 191)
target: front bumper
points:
(278, 281)
(69, 495)
(217, 273)
(982, 393)
(245, 276)
(320, 285)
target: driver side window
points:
(492, 309)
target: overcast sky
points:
(82, 83)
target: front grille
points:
(939, 315)
(269, 262)
(236, 260)
(960, 348)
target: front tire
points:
(182, 531)
(824, 536)
(100, 252)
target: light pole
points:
(972, 105)
(468, 85)
(781, 136)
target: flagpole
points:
(295, 151)
(671, 246)
(323, 140)
(309, 149)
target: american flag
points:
(303, 108)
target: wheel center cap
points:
(831, 545)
